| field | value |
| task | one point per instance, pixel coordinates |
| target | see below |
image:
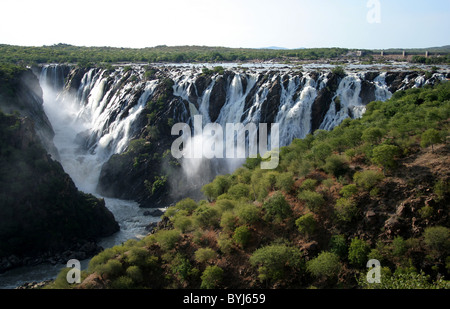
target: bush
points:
(187, 204)
(285, 181)
(325, 265)
(167, 239)
(306, 224)
(225, 243)
(277, 207)
(138, 256)
(345, 209)
(247, 213)
(348, 190)
(312, 199)
(203, 255)
(438, 238)
(112, 269)
(241, 236)
(338, 245)
(238, 191)
(384, 155)
(182, 222)
(211, 277)
(367, 179)
(228, 221)
(206, 216)
(430, 137)
(308, 184)
(372, 135)
(224, 205)
(135, 273)
(336, 165)
(273, 260)
(358, 252)
(339, 71)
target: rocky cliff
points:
(42, 213)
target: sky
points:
(365, 24)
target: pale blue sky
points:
(232, 23)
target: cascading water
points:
(93, 125)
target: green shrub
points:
(211, 277)
(187, 204)
(312, 199)
(167, 239)
(367, 179)
(398, 246)
(325, 265)
(345, 209)
(306, 224)
(338, 245)
(273, 260)
(224, 205)
(426, 212)
(206, 216)
(437, 238)
(225, 243)
(247, 213)
(228, 221)
(241, 236)
(182, 222)
(372, 135)
(238, 191)
(430, 137)
(384, 155)
(358, 252)
(138, 256)
(277, 207)
(348, 190)
(441, 188)
(336, 165)
(204, 255)
(112, 269)
(285, 181)
(135, 273)
(308, 184)
(121, 283)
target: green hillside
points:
(377, 187)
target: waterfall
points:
(91, 125)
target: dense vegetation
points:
(377, 187)
(63, 53)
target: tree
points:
(306, 224)
(211, 277)
(277, 207)
(384, 155)
(430, 137)
(325, 265)
(358, 251)
(312, 199)
(273, 260)
(367, 179)
(241, 236)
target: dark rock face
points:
(367, 93)
(320, 107)
(269, 107)
(218, 98)
(42, 210)
(26, 99)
